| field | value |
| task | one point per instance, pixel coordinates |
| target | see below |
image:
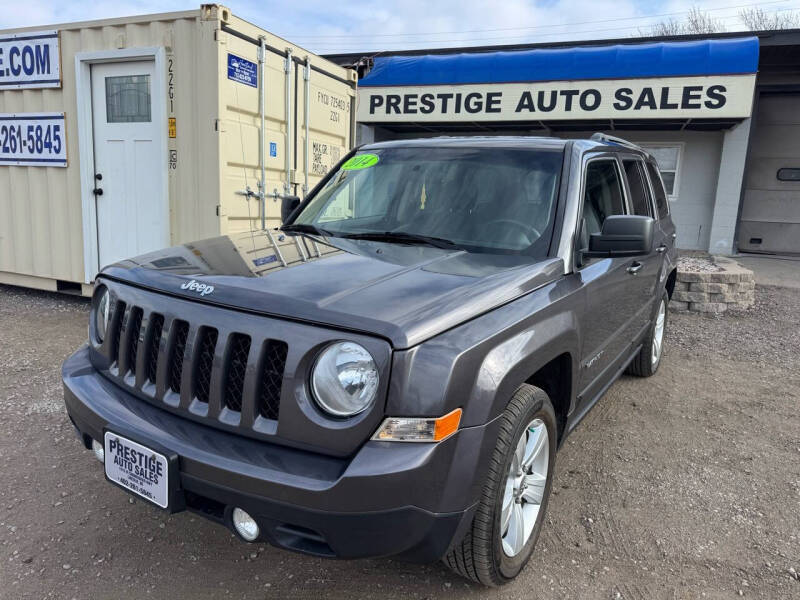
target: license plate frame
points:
(169, 497)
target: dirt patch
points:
(682, 485)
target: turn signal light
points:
(416, 429)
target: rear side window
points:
(637, 184)
(602, 197)
(662, 205)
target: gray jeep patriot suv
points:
(392, 370)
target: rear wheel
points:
(511, 510)
(646, 362)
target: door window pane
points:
(640, 195)
(128, 99)
(603, 197)
(661, 197)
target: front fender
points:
(478, 365)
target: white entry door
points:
(132, 207)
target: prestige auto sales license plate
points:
(137, 468)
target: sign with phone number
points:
(30, 60)
(33, 139)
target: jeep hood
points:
(404, 293)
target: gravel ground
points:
(685, 485)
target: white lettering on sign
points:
(656, 98)
(33, 139)
(30, 60)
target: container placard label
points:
(30, 60)
(242, 70)
(33, 139)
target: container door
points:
(323, 110)
(132, 207)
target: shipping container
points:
(122, 136)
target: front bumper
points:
(404, 499)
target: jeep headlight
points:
(102, 313)
(344, 380)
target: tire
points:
(481, 555)
(644, 365)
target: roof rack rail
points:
(602, 137)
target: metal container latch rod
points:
(307, 78)
(289, 129)
(262, 109)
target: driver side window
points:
(602, 197)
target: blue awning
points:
(732, 56)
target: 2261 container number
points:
(37, 139)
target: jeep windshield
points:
(480, 199)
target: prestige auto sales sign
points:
(651, 98)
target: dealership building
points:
(721, 113)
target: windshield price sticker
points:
(30, 60)
(33, 139)
(360, 161)
(137, 468)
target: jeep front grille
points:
(153, 353)
(271, 369)
(177, 351)
(135, 326)
(204, 363)
(157, 324)
(235, 368)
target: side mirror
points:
(622, 235)
(288, 206)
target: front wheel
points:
(511, 510)
(646, 362)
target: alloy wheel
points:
(658, 334)
(524, 489)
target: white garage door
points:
(770, 220)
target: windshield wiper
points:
(306, 228)
(403, 237)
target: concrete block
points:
(690, 276)
(691, 296)
(708, 307)
(677, 305)
(681, 286)
(715, 288)
(747, 285)
(723, 277)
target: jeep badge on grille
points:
(200, 288)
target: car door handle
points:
(635, 268)
(661, 248)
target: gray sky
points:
(329, 26)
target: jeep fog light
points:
(245, 525)
(408, 429)
(99, 451)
